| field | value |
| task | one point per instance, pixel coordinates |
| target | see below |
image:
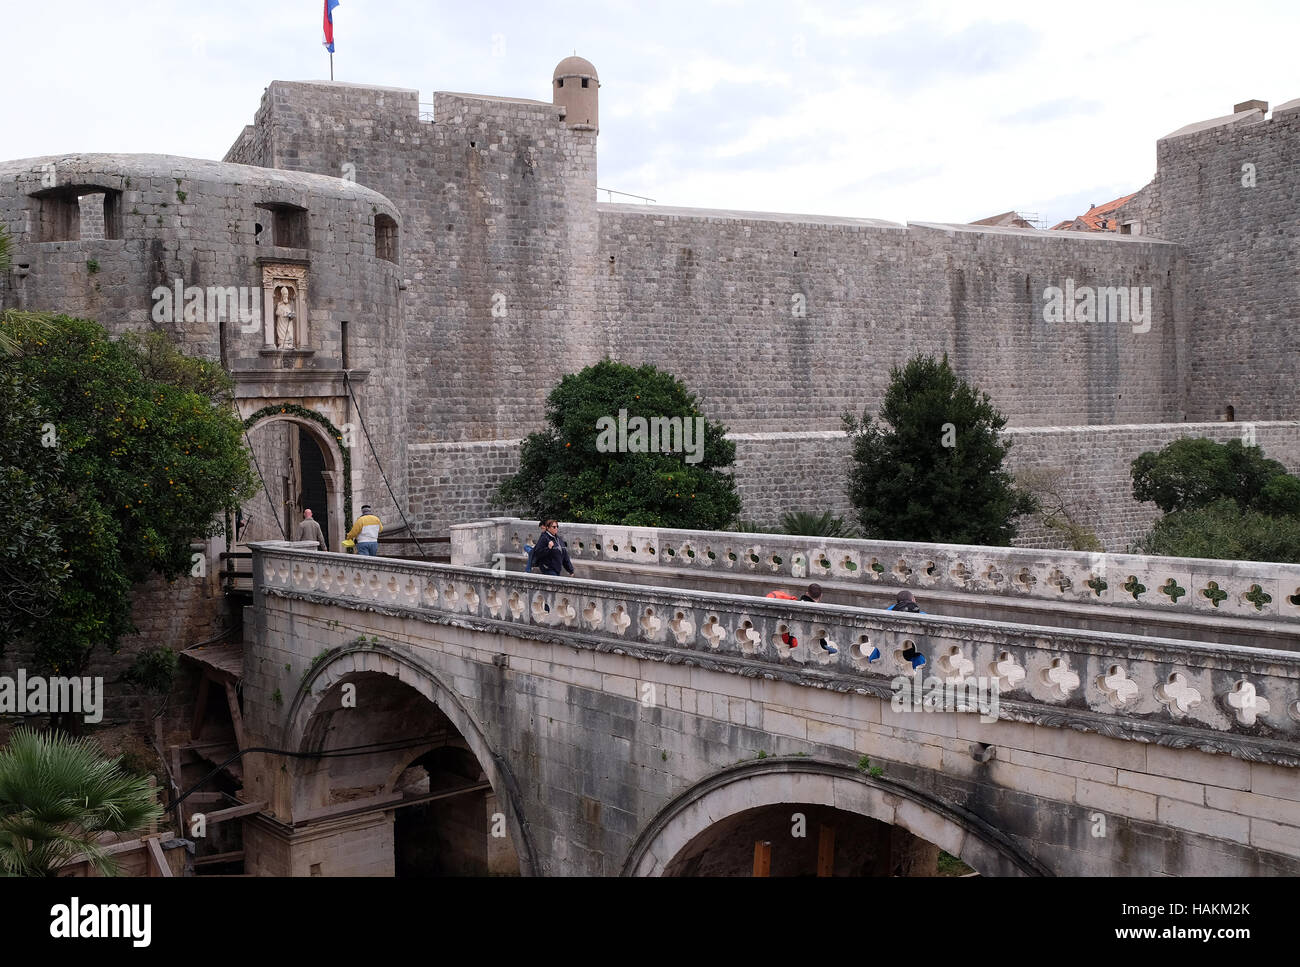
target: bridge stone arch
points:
(324, 681)
(776, 781)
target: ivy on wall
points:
(293, 409)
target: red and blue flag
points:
(329, 24)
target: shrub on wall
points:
(1220, 500)
(626, 446)
(932, 469)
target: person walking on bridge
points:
(309, 530)
(365, 531)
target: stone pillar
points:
(360, 845)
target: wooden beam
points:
(219, 858)
(200, 708)
(762, 858)
(826, 851)
(159, 858)
(234, 812)
(238, 720)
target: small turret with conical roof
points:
(576, 86)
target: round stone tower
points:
(576, 86)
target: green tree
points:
(1220, 500)
(1196, 472)
(572, 469)
(57, 795)
(932, 470)
(1224, 531)
(111, 472)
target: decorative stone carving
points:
(1060, 678)
(593, 615)
(284, 297)
(650, 623)
(1246, 704)
(953, 666)
(683, 628)
(713, 632)
(619, 620)
(1007, 671)
(1118, 688)
(1177, 695)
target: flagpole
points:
(331, 65)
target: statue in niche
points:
(284, 317)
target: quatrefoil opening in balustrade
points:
(1060, 678)
(1171, 589)
(540, 608)
(1008, 672)
(849, 565)
(877, 568)
(1257, 596)
(471, 600)
(825, 646)
(713, 631)
(798, 566)
(683, 628)
(1059, 581)
(785, 640)
(1118, 688)
(993, 577)
(1215, 593)
(494, 602)
(1176, 694)
(450, 597)
(752, 559)
(1135, 587)
(619, 621)
(953, 665)
(516, 605)
(1097, 584)
(592, 615)
(747, 637)
(1247, 704)
(902, 571)
(1025, 580)
(687, 553)
(774, 562)
(650, 623)
(960, 574)
(564, 613)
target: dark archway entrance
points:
(804, 839)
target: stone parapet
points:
(1218, 698)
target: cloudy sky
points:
(922, 110)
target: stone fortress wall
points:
(508, 274)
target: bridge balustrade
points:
(1222, 698)
(1244, 589)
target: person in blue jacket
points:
(906, 601)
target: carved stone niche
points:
(284, 307)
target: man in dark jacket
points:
(550, 553)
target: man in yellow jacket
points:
(365, 531)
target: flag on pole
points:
(329, 24)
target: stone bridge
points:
(668, 720)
